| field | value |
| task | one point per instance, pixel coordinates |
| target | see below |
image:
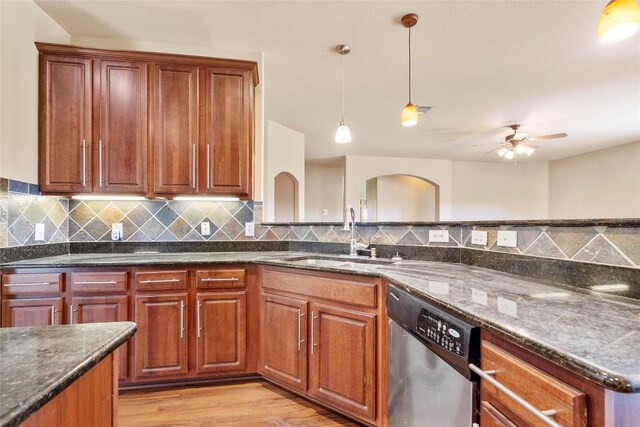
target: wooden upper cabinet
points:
(145, 123)
(121, 152)
(175, 128)
(65, 124)
(228, 131)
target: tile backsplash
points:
(21, 207)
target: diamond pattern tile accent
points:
(21, 229)
(180, 228)
(219, 216)
(544, 246)
(232, 228)
(96, 228)
(627, 240)
(600, 251)
(571, 239)
(139, 215)
(166, 215)
(153, 229)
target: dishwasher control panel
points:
(440, 331)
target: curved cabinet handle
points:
(542, 415)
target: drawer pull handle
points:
(220, 279)
(6, 285)
(313, 331)
(542, 415)
(88, 282)
(181, 319)
(160, 281)
(395, 297)
(53, 314)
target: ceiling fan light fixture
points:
(619, 20)
(519, 136)
(409, 116)
(502, 151)
(510, 154)
(529, 151)
(343, 134)
(520, 149)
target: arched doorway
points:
(285, 198)
(401, 198)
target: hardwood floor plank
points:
(246, 404)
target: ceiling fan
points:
(519, 143)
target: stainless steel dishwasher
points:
(430, 383)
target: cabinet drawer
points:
(24, 284)
(161, 280)
(345, 291)
(98, 281)
(215, 279)
(538, 388)
(491, 417)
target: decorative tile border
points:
(70, 221)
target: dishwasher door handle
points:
(542, 415)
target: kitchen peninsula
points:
(60, 375)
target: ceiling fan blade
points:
(543, 137)
(491, 151)
(486, 143)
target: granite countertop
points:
(589, 333)
(37, 363)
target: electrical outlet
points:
(439, 236)
(205, 229)
(249, 229)
(479, 237)
(479, 297)
(325, 212)
(117, 231)
(508, 238)
(508, 307)
(39, 232)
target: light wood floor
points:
(247, 404)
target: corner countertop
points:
(37, 363)
(589, 333)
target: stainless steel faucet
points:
(353, 250)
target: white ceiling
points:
(480, 64)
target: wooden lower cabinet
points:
(283, 338)
(100, 309)
(491, 417)
(343, 357)
(32, 312)
(161, 341)
(221, 332)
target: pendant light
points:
(409, 116)
(343, 135)
(619, 20)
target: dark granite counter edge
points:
(598, 375)
(38, 401)
(609, 222)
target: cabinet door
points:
(121, 152)
(342, 361)
(31, 312)
(161, 341)
(283, 334)
(221, 332)
(175, 128)
(228, 133)
(65, 124)
(111, 308)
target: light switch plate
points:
(439, 236)
(205, 230)
(508, 238)
(249, 229)
(39, 232)
(479, 237)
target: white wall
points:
(284, 153)
(599, 184)
(500, 191)
(105, 43)
(361, 168)
(324, 186)
(21, 24)
(403, 198)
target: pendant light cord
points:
(409, 64)
(342, 54)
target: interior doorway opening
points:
(285, 198)
(400, 197)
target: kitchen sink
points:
(340, 263)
